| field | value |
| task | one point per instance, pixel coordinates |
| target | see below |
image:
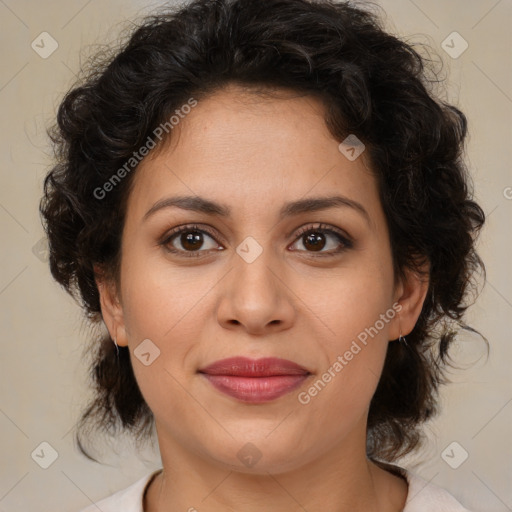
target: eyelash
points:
(321, 228)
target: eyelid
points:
(165, 239)
(321, 226)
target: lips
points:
(255, 380)
(245, 367)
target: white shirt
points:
(422, 497)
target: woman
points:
(268, 209)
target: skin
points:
(255, 153)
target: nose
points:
(256, 297)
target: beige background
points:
(42, 379)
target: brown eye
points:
(316, 239)
(189, 241)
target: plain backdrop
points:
(43, 380)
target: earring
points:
(401, 339)
(117, 346)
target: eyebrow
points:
(311, 204)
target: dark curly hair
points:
(372, 84)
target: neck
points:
(340, 480)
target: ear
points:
(111, 308)
(410, 293)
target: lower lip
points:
(256, 389)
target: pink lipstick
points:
(255, 380)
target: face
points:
(257, 278)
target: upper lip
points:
(246, 367)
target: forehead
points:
(249, 149)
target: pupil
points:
(317, 241)
(192, 240)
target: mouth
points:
(255, 380)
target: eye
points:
(189, 241)
(317, 238)
(193, 241)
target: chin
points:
(260, 455)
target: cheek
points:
(340, 393)
(350, 300)
(354, 315)
(155, 310)
(160, 298)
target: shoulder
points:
(424, 497)
(129, 499)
